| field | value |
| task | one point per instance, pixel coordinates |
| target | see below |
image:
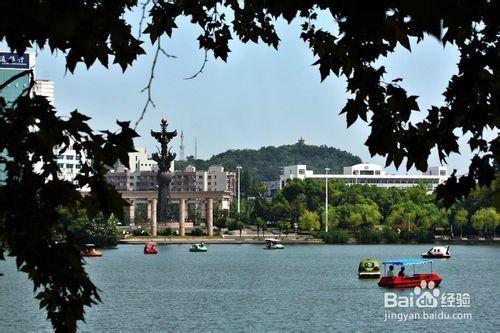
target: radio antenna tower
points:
(182, 157)
(195, 149)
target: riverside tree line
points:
(370, 214)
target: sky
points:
(260, 97)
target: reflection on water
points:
(245, 288)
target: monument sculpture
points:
(164, 158)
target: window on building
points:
(70, 157)
(366, 172)
(377, 172)
(302, 171)
(69, 166)
(442, 172)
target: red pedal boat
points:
(151, 248)
(407, 281)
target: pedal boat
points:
(369, 269)
(273, 244)
(408, 281)
(90, 251)
(438, 252)
(198, 248)
(151, 248)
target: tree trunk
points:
(461, 232)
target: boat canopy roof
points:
(272, 240)
(151, 243)
(407, 262)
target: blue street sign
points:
(13, 60)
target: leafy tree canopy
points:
(366, 31)
(265, 163)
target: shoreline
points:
(313, 241)
(194, 240)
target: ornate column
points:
(152, 210)
(210, 217)
(130, 213)
(150, 202)
(182, 217)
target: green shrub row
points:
(373, 236)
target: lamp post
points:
(326, 199)
(239, 193)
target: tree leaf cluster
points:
(32, 224)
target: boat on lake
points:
(273, 244)
(368, 269)
(198, 248)
(151, 248)
(438, 252)
(402, 280)
(90, 251)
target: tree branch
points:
(201, 68)
(148, 87)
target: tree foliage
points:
(486, 219)
(412, 211)
(461, 218)
(98, 230)
(266, 162)
(309, 221)
(31, 195)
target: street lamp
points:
(326, 199)
(239, 193)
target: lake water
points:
(236, 288)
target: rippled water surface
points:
(245, 288)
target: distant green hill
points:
(266, 163)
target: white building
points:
(45, 88)
(220, 180)
(140, 161)
(69, 163)
(296, 171)
(371, 174)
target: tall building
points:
(45, 88)
(371, 174)
(69, 163)
(220, 180)
(12, 64)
